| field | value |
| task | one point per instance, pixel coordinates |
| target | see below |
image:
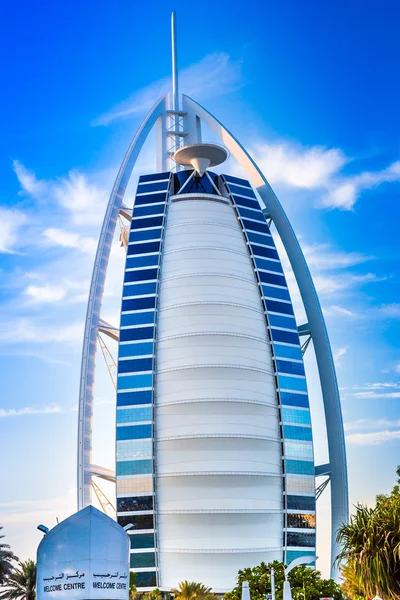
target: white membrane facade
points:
(219, 466)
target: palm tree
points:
(6, 556)
(20, 584)
(371, 547)
(190, 590)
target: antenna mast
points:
(175, 92)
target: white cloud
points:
(69, 239)
(299, 166)
(371, 424)
(46, 293)
(25, 330)
(372, 439)
(373, 394)
(319, 168)
(338, 354)
(29, 410)
(10, 222)
(28, 180)
(345, 192)
(339, 310)
(212, 76)
(80, 195)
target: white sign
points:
(84, 557)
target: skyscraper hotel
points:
(214, 455)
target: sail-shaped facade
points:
(214, 454)
(215, 466)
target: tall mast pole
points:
(175, 92)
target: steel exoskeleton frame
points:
(169, 123)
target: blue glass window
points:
(138, 522)
(261, 239)
(148, 234)
(299, 467)
(142, 559)
(246, 202)
(139, 318)
(134, 398)
(129, 449)
(140, 289)
(128, 382)
(134, 415)
(159, 186)
(149, 260)
(127, 350)
(292, 383)
(285, 336)
(284, 366)
(139, 333)
(289, 399)
(134, 467)
(235, 189)
(141, 541)
(298, 450)
(280, 321)
(262, 227)
(144, 223)
(300, 539)
(149, 199)
(132, 366)
(146, 211)
(146, 274)
(288, 352)
(300, 502)
(136, 503)
(134, 432)
(274, 292)
(154, 176)
(230, 178)
(138, 303)
(279, 307)
(268, 265)
(146, 579)
(146, 248)
(263, 251)
(291, 432)
(291, 415)
(272, 278)
(257, 215)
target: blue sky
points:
(311, 89)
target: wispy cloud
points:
(29, 410)
(46, 293)
(69, 239)
(77, 193)
(338, 354)
(373, 394)
(27, 330)
(375, 438)
(11, 221)
(214, 75)
(319, 168)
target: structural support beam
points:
(103, 473)
(326, 368)
(126, 212)
(109, 330)
(304, 329)
(322, 470)
(85, 410)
